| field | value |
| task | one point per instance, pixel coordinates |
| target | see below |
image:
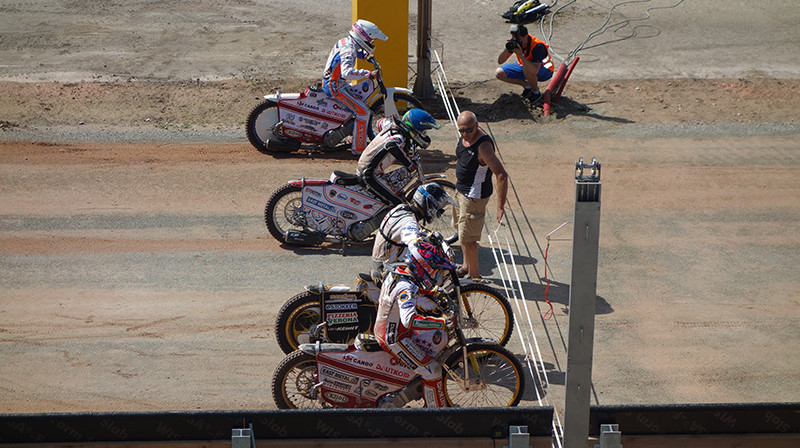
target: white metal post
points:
(582, 298)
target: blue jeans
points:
(514, 70)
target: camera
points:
(512, 44)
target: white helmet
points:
(364, 33)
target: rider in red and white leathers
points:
(340, 69)
(415, 340)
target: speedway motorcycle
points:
(283, 122)
(349, 311)
(476, 372)
(309, 212)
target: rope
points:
(527, 336)
(549, 312)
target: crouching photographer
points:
(533, 62)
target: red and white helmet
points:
(364, 33)
(427, 264)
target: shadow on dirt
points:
(535, 286)
(513, 106)
(346, 250)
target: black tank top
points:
(472, 179)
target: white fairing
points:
(332, 208)
(357, 378)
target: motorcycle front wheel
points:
(282, 211)
(486, 313)
(493, 377)
(402, 101)
(293, 382)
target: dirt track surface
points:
(137, 273)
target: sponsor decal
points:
(313, 192)
(343, 297)
(307, 105)
(437, 337)
(332, 193)
(356, 360)
(413, 350)
(341, 306)
(393, 371)
(335, 397)
(371, 393)
(406, 360)
(320, 204)
(334, 111)
(333, 373)
(380, 386)
(370, 384)
(403, 296)
(338, 385)
(342, 318)
(347, 215)
(424, 323)
(391, 333)
(350, 328)
(355, 201)
(368, 206)
(343, 197)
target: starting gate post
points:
(582, 299)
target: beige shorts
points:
(468, 217)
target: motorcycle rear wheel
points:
(260, 123)
(293, 382)
(495, 377)
(295, 318)
(281, 209)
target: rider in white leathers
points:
(401, 226)
(398, 142)
(340, 69)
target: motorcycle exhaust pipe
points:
(304, 238)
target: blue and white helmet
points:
(364, 34)
(432, 200)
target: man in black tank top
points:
(476, 162)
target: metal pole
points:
(423, 86)
(582, 298)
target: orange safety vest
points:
(546, 62)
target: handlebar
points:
(379, 78)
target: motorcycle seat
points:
(346, 179)
(364, 277)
